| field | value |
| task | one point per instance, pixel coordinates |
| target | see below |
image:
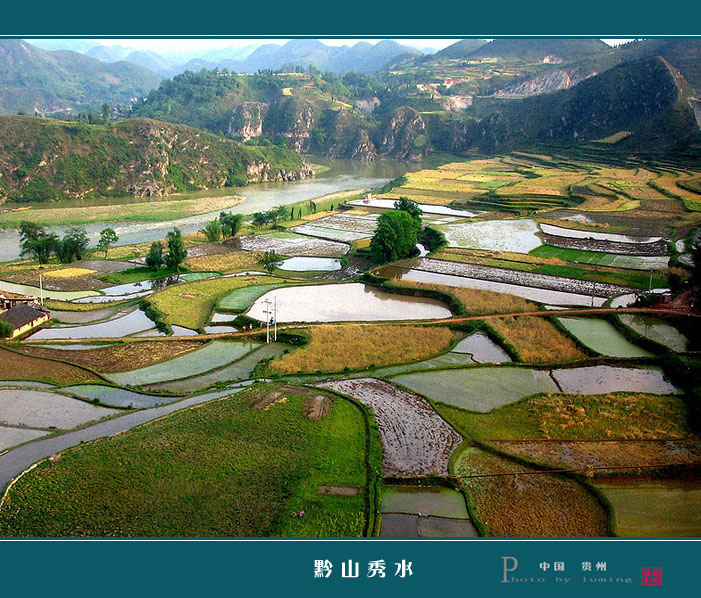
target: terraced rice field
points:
(238, 370)
(654, 508)
(481, 349)
(597, 236)
(602, 379)
(241, 299)
(415, 439)
(602, 337)
(124, 325)
(345, 303)
(13, 436)
(656, 330)
(14, 366)
(293, 245)
(525, 502)
(427, 511)
(611, 456)
(518, 236)
(23, 289)
(478, 389)
(595, 258)
(43, 409)
(214, 355)
(116, 397)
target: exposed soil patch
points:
(104, 266)
(22, 367)
(293, 246)
(267, 400)
(338, 491)
(415, 439)
(528, 279)
(317, 407)
(118, 358)
(84, 282)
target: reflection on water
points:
(343, 175)
(308, 264)
(135, 321)
(345, 302)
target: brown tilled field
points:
(23, 367)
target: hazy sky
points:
(186, 45)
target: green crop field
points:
(602, 337)
(226, 468)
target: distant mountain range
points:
(35, 80)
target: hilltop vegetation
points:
(42, 159)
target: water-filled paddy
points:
(14, 436)
(240, 299)
(130, 323)
(240, 369)
(214, 355)
(602, 337)
(311, 264)
(430, 511)
(482, 349)
(23, 289)
(42, 409)
(425, 208)
(586, 234)
(656, 330)
(116, 397)
(345, 303)
(602, 379)
(654, 508)
(530, 293)
(518, 236)
(478, 389)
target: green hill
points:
(45, 159)
(32, 80)
(536, 49)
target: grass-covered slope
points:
(43, 159)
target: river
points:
(343, 175)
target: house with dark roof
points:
(25, 317)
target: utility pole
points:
(41, 289)
(267, 320)
(275, 318)
(649, 288)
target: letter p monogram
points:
(510, 564)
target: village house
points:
(24, 317)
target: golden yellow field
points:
(477, 301)
(69, 272)
(357, 346)
(536, 340)
(223, 262)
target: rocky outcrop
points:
(547, 83)
(368, 105)
(293, 119)
(403, 135)
(247, 120)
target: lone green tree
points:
(176, 250)
(154, 257)
(73, 245)
(270, 260)
(231, 223)
(213, 231)
(36, 242)
(107, 238)
(395, 237)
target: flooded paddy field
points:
(517, 500)
(311, 264)
(415, 439)
(481, 349)
(292, 245)
(85, 316)
(124, 325)
(657, 248)
(656, 330)
(346, 303)
(651, 508)
(479, 389)
(426, 511)
(238, 370)
(10, 436)
(388, 204)
(43, 409)
(601, 336)
(482, 389)
(213, 355)
(23, 289)
(517, 236)
(116, 397)
(340, 227)
(526, 292)
(574, 233)
(521, 278)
